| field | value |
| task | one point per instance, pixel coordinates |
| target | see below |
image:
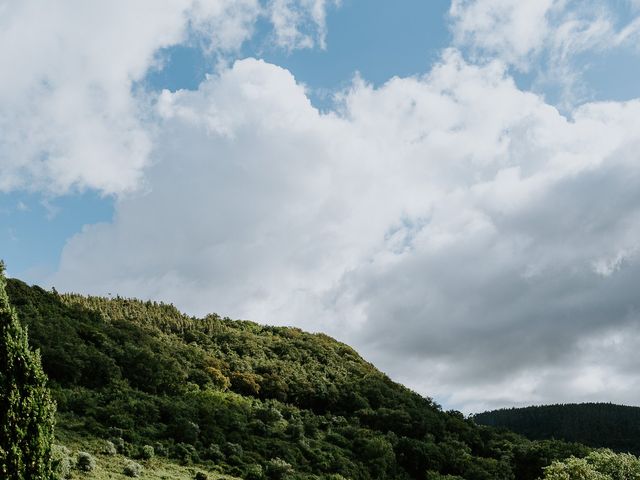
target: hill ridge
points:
(252, 401)
(597, 424)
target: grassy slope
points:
(110, 467)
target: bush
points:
(185, 453)
(132, 469)
(160, 449)
(118, 442)
(85, 462)
(109, 448)
(254, 472)
(62, 462)
(233, 449)
(147, 452)
(214, 453)
(201, 476)
(278, 469)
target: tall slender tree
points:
(27, 412)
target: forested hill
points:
(595, 424)
(256, 402)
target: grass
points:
(110, 467)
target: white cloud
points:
(547, 38)
(512, 29)
(290, 17)
(446, 225)
(467, 237)
(515, 31)
(71, 118)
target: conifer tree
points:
(26, 408)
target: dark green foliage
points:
(258, 402)
(85, 462)
(278, 469)
(26, 409)
(594, 424)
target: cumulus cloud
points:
(71, 116)
(467, 237)
(470, 239)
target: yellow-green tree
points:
(26, 409)
(598, 465)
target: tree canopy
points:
(595, 424)
(598, 465)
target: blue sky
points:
(451, 187)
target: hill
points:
(594, 424)
(248, 400)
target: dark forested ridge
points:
(256, 401)
(595, 424)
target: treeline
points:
(257, 401)
(594, 424)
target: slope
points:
(249, 400)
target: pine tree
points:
(26, 409)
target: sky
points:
(450, 187)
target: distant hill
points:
(248, 400)
(594, 424)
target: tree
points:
(26, 409)
(598, 465)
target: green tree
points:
(26, 409)
(598, 465)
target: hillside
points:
(594, 424)
(251, 401)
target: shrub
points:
(147, 452)
(118, 442)
(62, 462)
(160, 449)
(185, 453)
(278, 469)
(85, 462)
(109, 448)
(201, 476)
(132, 469)
(186, 431)
(214, 453)
(254, 472)
(233, 449)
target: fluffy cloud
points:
(546, 38)
(517, 30)
(466, 236)
(72, 117)
(514, 29)
(289, 18)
